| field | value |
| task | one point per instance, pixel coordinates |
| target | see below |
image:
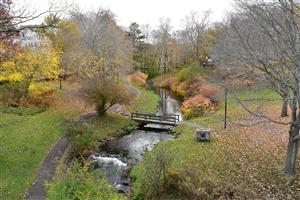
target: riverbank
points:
(74, 179)
(145, 102)
(191, 85)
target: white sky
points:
(148, 11)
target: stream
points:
(117, 156)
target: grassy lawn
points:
(109, 125)
(145, 102)
(26, 137)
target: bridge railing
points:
(172, 118)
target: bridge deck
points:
(169, 119)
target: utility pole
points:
(225, 111)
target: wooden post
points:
(60, 86)
(225, 111)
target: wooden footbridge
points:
(153, 118)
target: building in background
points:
(28, 37)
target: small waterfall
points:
(109, 162)
(114, 170)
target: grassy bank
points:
(26, 137)
(146, 101)
(239, 163)
(78, 181)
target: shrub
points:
(81, 135)
(153, 71)
(80, 182)
(152, 178)
(188, 73)
(139, 79)
(181, 89)
(167, 83)
(197, 106)
(208, 91)
(40, 95)
(11, 93)
(104, 94)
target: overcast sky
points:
(148, 11)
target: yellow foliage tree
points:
(66, 38)
(31, 65)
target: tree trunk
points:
(101, 109)
(284, 111)
(290, 167)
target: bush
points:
(152, 175)
(11, 93)
(80, 182)
(82, 137)
(153, 71)
(180, 89)
(167, 83)
(208, 91)
(139, 79)
(104, 94)
(40, 95)
(197, 106)
(188, 73)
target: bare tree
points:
(194, 35)
(12, 17)
(161, 37)
(104, 40)
(264, 36)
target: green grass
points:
(109, 125)
(145, 102)
(79, 182)
(21, 110)
(25, 140)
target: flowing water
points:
(116, 157)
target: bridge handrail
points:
(166, 117)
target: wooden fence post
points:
(225, 111)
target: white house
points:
(28, 37)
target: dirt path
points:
(38, 191)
